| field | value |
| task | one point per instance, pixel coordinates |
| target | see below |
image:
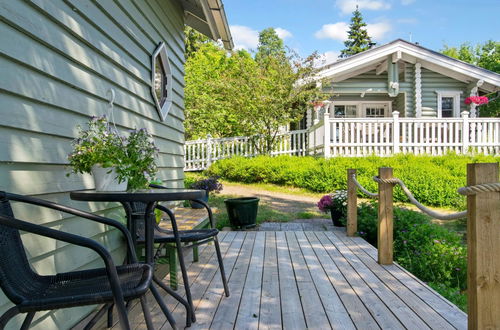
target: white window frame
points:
(161, 51)
(360, 107)
(456, 102)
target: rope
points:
(434, 214)
(363, 190)
(479, 188)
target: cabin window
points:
(345, 111)
(448, 104)
(161, 81)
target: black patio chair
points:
(31, 292)
(181, 239)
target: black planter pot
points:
(336, 216)
(242, 211)
(195, 205)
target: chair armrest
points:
(75, 240)
(157, 186)
(79, 213)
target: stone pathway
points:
(298, 225)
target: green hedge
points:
(434, 180)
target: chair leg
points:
(185, 279)
(97, 316)
(122, 315)
(163, 307)
(110, 316)
(147, 314)
(27, 321)
(221, 266)
(176, 296)
(5, 318)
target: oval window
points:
(161, 84)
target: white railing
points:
(358, 137)
(433, 136)
(200, 154)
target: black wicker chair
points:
(31, 292)
(189, 238)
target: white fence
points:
(433, 136)
(361, 136)
(200, 154)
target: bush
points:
(433, 180)
(430, 252)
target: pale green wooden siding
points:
(433, 81)
(406, 83)
(361, 83)
(57, 61)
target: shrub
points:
(430, 252)
(434, 180)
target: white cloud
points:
(338, 31)
(282, 33)
(327, 58)
(379, 30)
(407, 2)
(348, 6)
(335, 31)
(244, 37)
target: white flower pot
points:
(105, 181)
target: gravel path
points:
(291, 203)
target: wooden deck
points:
(299, 280)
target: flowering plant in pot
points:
(336, 204)
(209, 184)
(116, 162)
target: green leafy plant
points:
(99, 144)
(423, 175)
(429, 251)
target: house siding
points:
(58, 59)
(433, 82)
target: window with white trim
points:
(161, 80)
(448, 104)
(344, 111)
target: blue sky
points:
(309, 25)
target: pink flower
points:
(325, 203)
(476, 100)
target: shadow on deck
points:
(299, 280)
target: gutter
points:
(217, 21)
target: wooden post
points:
(385, 215)
(395, 132)
(327, 137)
(352, 204)
(465, 132)
(483, 246)
(209, 150)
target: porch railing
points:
(200, 154)
(433, 136)
(360, 136)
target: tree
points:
(193, 40)
(486, 56)
(229, 94)
(358, 39)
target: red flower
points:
(476, 100)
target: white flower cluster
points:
(339, 197)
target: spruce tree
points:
(358, 39)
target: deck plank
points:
(334, 309)
(291, 307)
(355, 307)
(248, 313)
(419, 306)
(299, 280)
(211, 298)
(405, 314)
(270, 301)
(382, 314)
(225, 316)
(443, 307)
(314, 311)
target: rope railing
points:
(483, 232)
(363, 189)
(420, 206)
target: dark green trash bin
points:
(242, 211)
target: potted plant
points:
(209, 184)
(336, 203)
(242, 211)
(116, 162)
